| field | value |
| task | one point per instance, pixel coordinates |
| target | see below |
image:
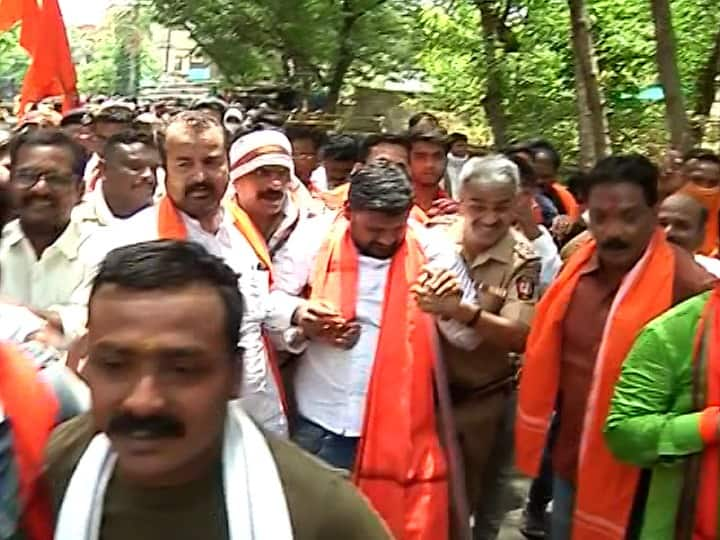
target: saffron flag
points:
(43, 36)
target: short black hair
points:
(416, 118)
(702, 154)
(435, 136)
(115, 115)
(382, 187)
(127, 137)
(456, 137)
(543, 146)
(631, 169)
(169, 265)
(371, 141)
(199, 121)
(577, 183)
(340, 148)
(297, 133)
(528, 176)
(49, 137)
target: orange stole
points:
(170, 223)
(605, 487)
(247, 228)
(34, 408)
(400, 465)
(335, 199)
(708, 331)
(568, 200)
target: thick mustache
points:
(200, 187)
(615, 244)
(271, 195)
(157, 426)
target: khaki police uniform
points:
(481, 381)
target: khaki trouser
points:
(478, 421)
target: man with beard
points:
(196, 161)
(364, 384)
(128, 181)
(40, 252)
(584, 327)
(506, 271)
(164, 454)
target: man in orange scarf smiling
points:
(583, 329)
(364, 384)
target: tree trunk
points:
(493, 101)
(705, 88)
(342, 65)
(592, 121)
(675, 113)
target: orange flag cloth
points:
(605, 487)
(43, 36)
(400, 464)
(26, 399)
(572, 210)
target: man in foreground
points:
(163, 455)
(584, 327)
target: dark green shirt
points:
(322, 505)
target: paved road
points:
(510, 529)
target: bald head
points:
(684, 221)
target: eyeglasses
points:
(28, 178)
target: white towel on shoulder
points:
(254, 496)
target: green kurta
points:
(652, 422)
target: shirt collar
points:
(68, 243)
(102, 210)
(501, 252)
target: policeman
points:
(506, 270)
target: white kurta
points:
(52, 282)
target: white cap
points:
(260, 149)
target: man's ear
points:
(346, 210)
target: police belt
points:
(461, 394)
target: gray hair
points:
(492, 169)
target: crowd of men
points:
(194, 305)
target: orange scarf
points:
(710, 199)
(568, 201)
(247, 228)
(335, 199)
(33, 410)
(400, 465)
(707, 354)
(605, 487)
(170, 223)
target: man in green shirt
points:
(166, 453)
(664, 417)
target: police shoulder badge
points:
(525, 287)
